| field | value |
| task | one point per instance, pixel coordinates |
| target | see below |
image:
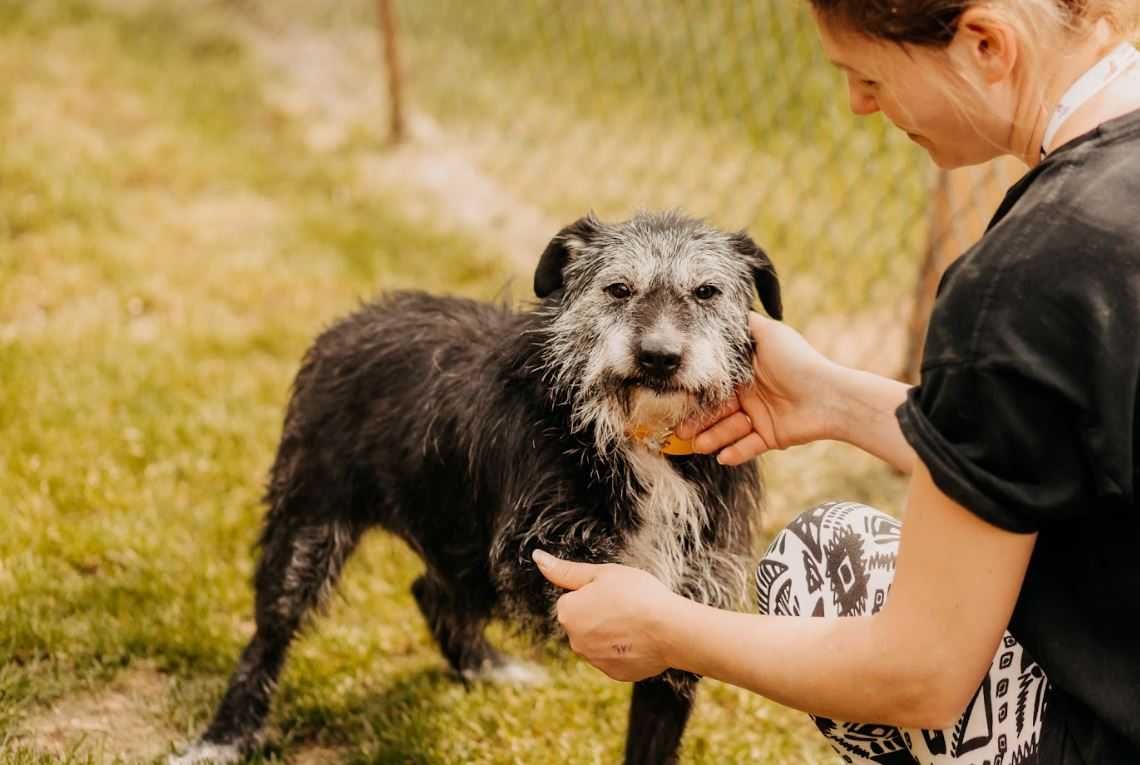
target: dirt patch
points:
(317, 755)
(120, 720)
(332, 89)
(440, 185)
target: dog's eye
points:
(619, 291)
(705, 292)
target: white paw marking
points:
(514, 672)
(201, 752)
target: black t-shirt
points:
(1026, 413)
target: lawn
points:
(171, 237)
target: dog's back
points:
(392, 400)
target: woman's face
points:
(916, 89)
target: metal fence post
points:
(387, 17)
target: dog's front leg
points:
(658, 714)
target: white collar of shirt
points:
(1092, 82)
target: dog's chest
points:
(667, 542)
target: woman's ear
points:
(987, 43)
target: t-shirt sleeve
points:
(999, 441)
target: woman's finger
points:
(743, 450)
(758, 325)
(755, 406)
(567, 574)
(727, 431)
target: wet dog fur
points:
(477, 433)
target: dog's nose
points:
(658, 361)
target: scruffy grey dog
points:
(477, 433)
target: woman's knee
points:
(834, 559)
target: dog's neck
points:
(653, 420)
(664, 441)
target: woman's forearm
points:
(841, 668)
(864, 415)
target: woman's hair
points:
(1042, 26)
(935, 22)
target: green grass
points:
(169, 244)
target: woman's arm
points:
(867, 416)
(799, 396)
(916, 663)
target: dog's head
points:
(648, 318)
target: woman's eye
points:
(870, 83)
(705, 292)
(619, 291)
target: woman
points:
(1020, 437)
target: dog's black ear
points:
(763, 272)
(548, 275)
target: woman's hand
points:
(791, 400)
(612, 615)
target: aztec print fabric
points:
(838, 560)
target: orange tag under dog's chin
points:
(677, 446)
(666, 443)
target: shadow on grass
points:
(401, 719)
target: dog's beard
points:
(608, 397)
(616, 407)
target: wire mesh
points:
(725, 109)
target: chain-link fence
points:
(725, 109)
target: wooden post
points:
(934, 262)
(387, 16)
(961, 206)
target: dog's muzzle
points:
(658, 364)
(659, 357)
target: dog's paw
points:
(511, 672)
(206, 753)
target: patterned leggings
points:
(838, 560)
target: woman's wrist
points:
(667, 632)
(839, 404)
(862, 413)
